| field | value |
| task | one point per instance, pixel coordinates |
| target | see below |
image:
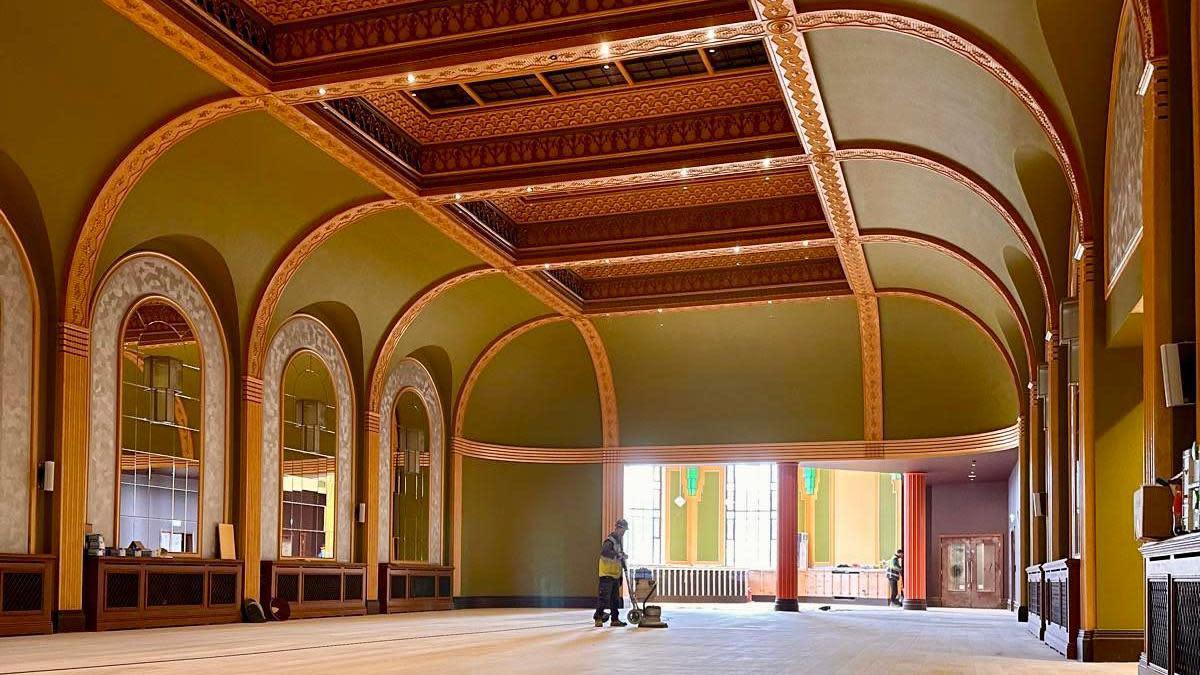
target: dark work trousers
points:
(893, 590)
(609, 597)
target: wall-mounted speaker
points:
(46, 475)
(1179, 373)
(362, 512)
(1068, 321)
(1038, 502)
(1043, 381)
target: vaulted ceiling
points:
(608, 158)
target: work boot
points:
(600, 618)
(616, 623)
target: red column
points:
(914, 541)
(785, 567)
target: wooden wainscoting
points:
(152, 592)
(413, 587)
(1061, 604)
(313, 588)
(1171, 641)
(1035, 582)
(26, 594)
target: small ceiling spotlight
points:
(545, 266)
(766, 163)
(737, 249)
(712, 34)
(607, 67)
(604, 50)
(529, 189)
(411, 78)
(458, 196)
(320, 91)
(804, 243)
(683, 173)
(770, 302)
(660, 310)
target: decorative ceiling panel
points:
(747, 259)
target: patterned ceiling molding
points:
(984, 191)
(936, 299)
(648, 178)
(525, 63)
(609, 416)
(405, 318)
(738, 302)
(214, 61)
(291, 263)
(946, 248)
(485, 357)
(761, 254)
(89, 241)
(811, 451)
(356, 161)
(634, 103)
(1003, 69)
(655, 198)
(793, 65)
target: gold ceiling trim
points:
(588, 108)
(609, 415)
(407, 316)
(793, 65)
(485, 357)
(745, 302)
(767, 254)
(657, 198)
(946, 248)
(527, 63)
(691, 254)
(297, 255)
(935, 299)
(987, 193)
(998, 440)
(1003, 69)
(89, 241)
(631, 180)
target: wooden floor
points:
(730, 639)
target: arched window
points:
(309, 470)
(161, 426)
(410, 479)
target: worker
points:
(895, 572)
(612, 566)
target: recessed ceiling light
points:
(411, 78)
(712, 51)
(712, 34)
(321, 91)
(529, 189)
(545, 266)
(737, 249)
(606, 66)
(604, 50)
(683, 172)
(660, 310)
(766, 163)
(457, 196)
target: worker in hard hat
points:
(612, 566)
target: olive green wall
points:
(530, 529)
(540, 390)
(941, 375)
(66, 122)
(248, 186)
(1118, 474)
(761, 373)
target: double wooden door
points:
(972, 571)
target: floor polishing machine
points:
(642, 587)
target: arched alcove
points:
(18, 337)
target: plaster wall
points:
(962, 509)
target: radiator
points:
(701, 584)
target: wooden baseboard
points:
(762, 598)
(524, 601)
(70, 621)
(1119, 646)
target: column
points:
(369, 542)
(70, 499)
(785, 566)
(250, 512)
(1057, 453)
(1036, 541)
(914, 541)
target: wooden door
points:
(972, 571)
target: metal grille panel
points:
(1187, 627)
(665, 66)
(120, 590)
(509, 88)
(1058, 603)
(587, 77)
(740, 55)
(353, 586)
(422, 586)
(222, 589)
(322, 587)
(444, 97)
(444, 590)
(287, 587)
(399, 585)
(22, 592)
(173, 589)
(1158, 624)
(1035, 597)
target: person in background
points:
(895, 572)
(612, 566)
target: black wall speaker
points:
(1179, 373)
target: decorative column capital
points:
(371, 421)
(73, 339)
(252, 389)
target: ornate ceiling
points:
(620, 156)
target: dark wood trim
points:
(1101, 645)
(417, 587)
(36, 569)
(70, 621)
(123, 592)
(307, 601)
(525, 601)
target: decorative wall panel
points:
(1123, 192)
(298, 333)
(133, 278)
(17, 335)
(411, 374)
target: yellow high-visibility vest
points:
(610, 568)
